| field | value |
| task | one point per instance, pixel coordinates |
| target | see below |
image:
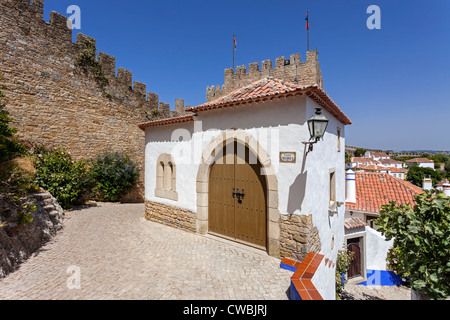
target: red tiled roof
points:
(161, 122)
(374, 167)
(376, 189)
(353, 223)
(270, 88)
(379, 154)
(389, 161)
(364, 160)
(420, 160)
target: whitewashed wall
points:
(279, 126)
(376, 249)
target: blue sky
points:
(393, 83)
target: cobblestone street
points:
(120, 255)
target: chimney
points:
(427, 184)
(350, 186)
(446, 189)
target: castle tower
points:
(293, 70)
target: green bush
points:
(421, 247)
(113, 175)
(417, 174)
(66, 179)
(9, 146)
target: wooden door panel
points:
(251, 212)
(221, 203)
(243, 220)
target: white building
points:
(366, 193)
(237, 168)
(421, 162)
(392, 163)
(377, 155)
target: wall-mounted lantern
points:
(317, 126)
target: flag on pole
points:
(235, 43)
(307, 20)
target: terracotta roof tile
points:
(353, 223)
(420, 160)
(270, 88)
(376, 189)
(162, 122)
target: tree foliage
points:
(417, 174)
(359, 152)
(421, 247)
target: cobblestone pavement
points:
(120, 255)
(355, 292)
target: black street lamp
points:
(317, 126)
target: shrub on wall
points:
(113, 175)
(9, 146)
(66, 179)
(344, 260)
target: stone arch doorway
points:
(210, 156)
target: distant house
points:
(392, 163)
(376, 155)
(393, 171)
(444, 186)
(365, 161)
(421, 162)
(366, 192)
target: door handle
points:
(240, 196)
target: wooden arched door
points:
(237, 197)
(354, 245)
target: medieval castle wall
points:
(57, 104)
(292, 70)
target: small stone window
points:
(332, 191)
(166, 178)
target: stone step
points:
(49, 207)
(42, 196)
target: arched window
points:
(166, 178)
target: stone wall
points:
(171, 216)
(58, 104)
(18, 242)
(292, 70)
(298, 236)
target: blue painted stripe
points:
(287, 267)
(381, 278)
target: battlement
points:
(292, 70)
(56, 31)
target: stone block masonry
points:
(56, 103)
(171, 216)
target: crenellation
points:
(241, 70)
(60, 26)
(125, 77)
(152, 101)
(292, 70)
(164, 110)
(38, 8)
(108, 65)
(295, 59)
(253, 68)
(140, 89)
(179, 107)
(266, 65)
(281, 62)
(83, 39)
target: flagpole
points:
(308, 27)
(234, 48)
